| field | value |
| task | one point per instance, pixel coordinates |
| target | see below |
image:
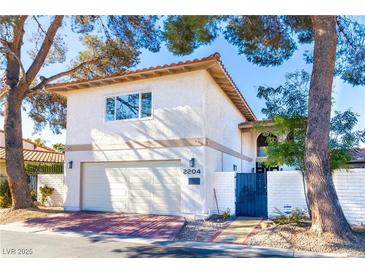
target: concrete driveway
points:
(122, 225)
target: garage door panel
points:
(139, 193)
(168, 201)
(140, 187)
(139, 208)
(164, 187)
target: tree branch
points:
(44, 50)
(45, 80)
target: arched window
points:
(261, 144)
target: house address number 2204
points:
(191, 171)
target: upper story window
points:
(129, 106)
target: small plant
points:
(226, 214)
(5, 195)
(33, 193)
(297, 216)
(45, 191)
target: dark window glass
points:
(146, 105)
(110, 109)
(127, 106)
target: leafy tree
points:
(39, 142)
(109, 44)
(287, 106)
(269, 41)
(59, 147)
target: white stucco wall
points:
(177, 111)
(57, 182)
(224, 184)
(188, 105)
(221, 120)
(285, 188)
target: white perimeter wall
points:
(285, 188)
(224, 184)
(57, 182)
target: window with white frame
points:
(129, 106)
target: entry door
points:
(134, 187)
(251, 194)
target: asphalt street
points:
(14, 244)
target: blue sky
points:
(246, 75)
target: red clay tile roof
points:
(211, 63)
(38, 156)
(34, 144)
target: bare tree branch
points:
(44, 32)
(45, 81)
(44, 50)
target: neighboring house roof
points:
(212, 64)
(27, 144)
(38, 156)
(33, 152)
(358, 156)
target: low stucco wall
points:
(224, 184)
(57, 182)
(286, 192)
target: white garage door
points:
(135, 187)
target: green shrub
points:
(45, 191)
(226, 214)
(5, 195)
(297, 216)
(33, 194)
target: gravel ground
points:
(300, 238)
(203, 230)
(9, 216)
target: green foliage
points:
(59, 147)
(47, 108)
(297, 216)
(287, 106)
(265, 40)
(33, 193)
(184, 34)
(226, 214)
(5, 195)
(45, 192)
(39, 142)
(270, 40)
(289, 99)
(33, 169)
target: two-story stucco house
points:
(148, 141)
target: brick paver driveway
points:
(123, 225)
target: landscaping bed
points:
(203, 230)
(10, 216)
(300, 238)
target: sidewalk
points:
(239, 230)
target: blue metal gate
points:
(251, 194)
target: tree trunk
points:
(14, 152)
(327, 215)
